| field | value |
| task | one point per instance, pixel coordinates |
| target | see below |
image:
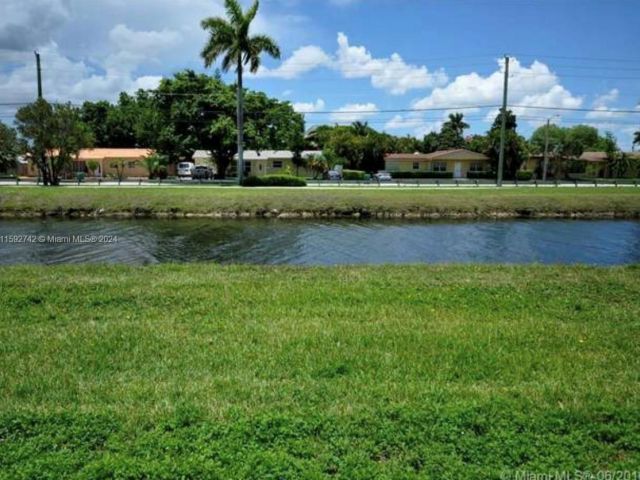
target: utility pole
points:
(39, 74)
(503, 132)
(546, 152)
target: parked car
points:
(383, 177)
(334, 175)
(202, 172)
(185, 169)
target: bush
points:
(524, 176)
(274, 181)
(481, 175)
(353, 175)
(421, 174)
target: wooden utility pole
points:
(39, 74)
(546, 152)
(503, 132)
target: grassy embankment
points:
(589, 202)
(249, 372)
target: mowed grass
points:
(178, 201)
(203, 371)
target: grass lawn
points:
(203, 371)
(178, 201)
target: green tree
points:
(456, 124)
(93, 166)
(614, 156)
(230, 39)
(636, 138)
(430, 142)
(10, 148)
(54, 134)
(318, 164)
(155, 163)
(361, 129)
(516, 147)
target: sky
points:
(401, 65)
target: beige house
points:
(131, 159)
(458, 162)
(270, 162)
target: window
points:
(416, 165)
(277, 164)
(476, 167)
(439, 166)
(131, 165)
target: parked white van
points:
(185, 169)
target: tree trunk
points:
(240, 123)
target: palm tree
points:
(361, 129)
(457, 124)
(230, 39)
(636, 138)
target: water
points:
(600, 242)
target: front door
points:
(457, 170)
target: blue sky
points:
(358, 56)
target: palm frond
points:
(222, 38)
(234, 11)
(264, 44)
(252, 12)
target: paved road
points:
(330, 185)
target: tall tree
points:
(10, 148)
(516, 147)
(636, 138)
(230, 39)
(55, 134)
(456, 123)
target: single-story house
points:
(458, 162)
(132, 160)
(267, 162)
(597, 165)
(107, 158)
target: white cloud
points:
(353, 112)
(534, 85)
(303, 107)
(391, 74)
(303, 60)
(602, 107)
(67, 80)
(27, 24)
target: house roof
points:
(250, 155)
(593, 157)
(100, 153)
(602, 156)
(201, 154)
(454, 154)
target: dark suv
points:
(202, 172)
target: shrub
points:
(524, 176)
(421, 174)
(481, 175)
(274, 181)
(353, 175)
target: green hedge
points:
(524, 176)
(353, 175)
(481, 175)
(274, 181)
(401, 175)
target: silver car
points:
(383, 177)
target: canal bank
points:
(149, 202)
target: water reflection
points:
(327, 242)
